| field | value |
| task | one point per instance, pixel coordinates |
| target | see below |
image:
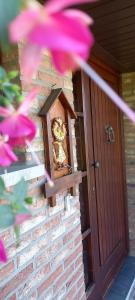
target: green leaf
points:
(15, 88)
(19, 99)
(9, 196)
(20, 190)
(12, 74)
(3, 192)
(19, 208)
(2, 185)
(6, 216)
(4, 101)
(9, 9)
(9, 90)
(22, 210)
(29, 200)
(4, 195)
(3, 73)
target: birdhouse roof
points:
(57, 94)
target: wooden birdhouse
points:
(56, 116)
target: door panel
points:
(108, 175)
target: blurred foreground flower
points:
(20, 218)
(3, 255)
(64, 32)
(14, 209)
(16, 125)
(7, 156)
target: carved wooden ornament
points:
(56, 116)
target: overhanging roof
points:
(114, 31)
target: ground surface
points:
(123, 282)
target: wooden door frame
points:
(94, 293)
(98, 65)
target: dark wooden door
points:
(108, 173)
(105, 182)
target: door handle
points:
(110, 134)
(96, 164)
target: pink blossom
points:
(20, 218)
(7, 157)
(16, 125)
(3, 254)
(64, 32)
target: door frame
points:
(95, 293)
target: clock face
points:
(59, 129)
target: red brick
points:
(78, 261)
(68, 236)
(38, 232)
(70, 246)
(69, 95)
(41, 259)
(45, 63)
(33, 296)
(18, 279)
(32, 282)
(78, 240)
(52, 223)
(71, 293)
(13, 297)
(74, 278)
(42, 273)
(50, 78)
(69, 222)
(49, 280)
(81, 294)
(80, 282)
(6, 236)
(72, 257)
(68, 84)
(53, 250)
(63, 278)
(6, 271)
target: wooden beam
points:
(62, 184)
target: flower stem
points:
(17, 234)
(106, 88)
(38, 162)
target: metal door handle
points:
(110, 134)
(96, 164)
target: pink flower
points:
(3, 254)
(7, 157)
(21, 218)
(64, 32)
(16, 125)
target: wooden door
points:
(108, 173)
(105, 180)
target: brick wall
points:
(129, 131)
(48, 262)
